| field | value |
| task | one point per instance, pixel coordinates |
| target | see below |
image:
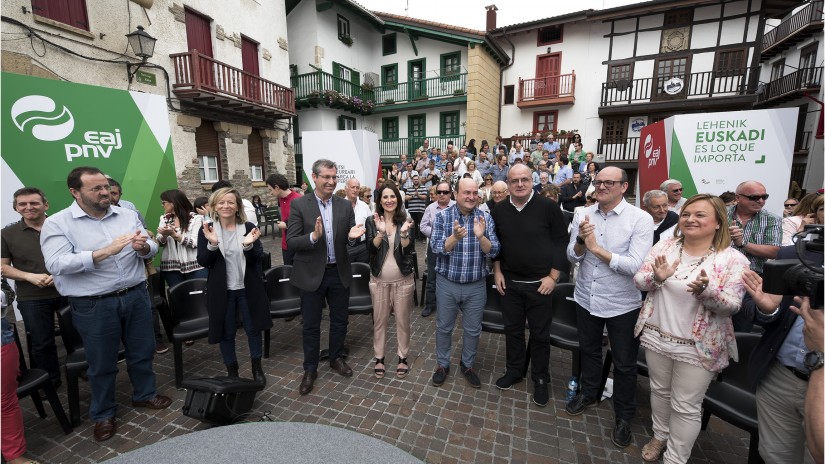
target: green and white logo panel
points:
(50, 127)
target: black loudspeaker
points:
(219, 400)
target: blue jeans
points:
(173, 278)
(38, 315)
(625, 349)
(102, 324)
(451, 297)
(337, 297)
(237, 303)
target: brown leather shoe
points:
(105, 429)
(341, 366)
(307, 382)
(158, 402)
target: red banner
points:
(652, 157)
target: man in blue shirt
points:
(551, 145)
(565, 174)
(95, 253)
(463, 238)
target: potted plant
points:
(346, 39)
(458, 92)
(389, 101)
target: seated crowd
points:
(677, 277)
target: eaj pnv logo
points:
(40, 115)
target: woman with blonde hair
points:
(694, 284)
(391, 281)
(230, 248)
(474, 174)
(805, 213)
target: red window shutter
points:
(198, 33)
(256, 148)
(77, 14)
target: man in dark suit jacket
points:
(320, 227)
(573, 194)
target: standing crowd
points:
(677, 277)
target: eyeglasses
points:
(606, 183)
(790, 205)
(327, 177)
(676, 190)
(442, 192)
(754, 197)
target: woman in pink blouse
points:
(694, 285)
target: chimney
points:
(491, 17)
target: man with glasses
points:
(525, 276)
(664, 220)
(319, 229)
(610, 240)
(790, 205)
(754, 232)
(443, 201)
(95, 253)
(463, 238)
(673, 189)
(498, 192)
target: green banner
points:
(50, 127)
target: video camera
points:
(801, 276)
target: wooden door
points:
(199, 37)
(417, 86)
(548, 68)
(249, 56)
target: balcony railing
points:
(809, 15)
(626, 150)
(788, 86)
(392, 149)
(695, 85)
(563, 139)
(319, 87)
(200, 73)
(558, 89)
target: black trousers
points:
(522, 302)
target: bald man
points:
(755, 232)
(499, 192)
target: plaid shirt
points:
(764, 228)
(465, 262)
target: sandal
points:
(653, 450)
(379, 371)
(401, 372)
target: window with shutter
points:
(70, 12)
(208, 152)
(255, 148)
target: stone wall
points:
(483, 90)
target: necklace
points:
(692, 267)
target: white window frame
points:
(208, 166)
(256, 173)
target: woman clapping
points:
(695, 284)
(230, 249)
(392, 282)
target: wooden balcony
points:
(790, 86)
(203, 80)
(392, 149)
(321, 88)
(792, 30)
(621, 151)
(547, 91)
(709, 90)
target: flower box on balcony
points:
(346, 39)
(389, 101)
(459, 92)
(421, 97)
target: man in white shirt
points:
(358, 253)
(673, 189)
(664, 220)
(460, 164)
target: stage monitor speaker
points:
(219, 400)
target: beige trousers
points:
(398, 297)
(676, 393)
(780, 410)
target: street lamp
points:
(143, 45)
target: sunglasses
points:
(442, 192)
(677, 190)
(790, 205)
(755, 197)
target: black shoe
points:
(506, 382)
(578, 404)
(440, 375)
(258, 371)
(540, 394)
(426, 311)
(232, 370)
(622, 436)
(471, 376)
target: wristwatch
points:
(813, 360)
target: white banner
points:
(354, 151)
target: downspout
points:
(501, 73)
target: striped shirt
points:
(763, 228)
(465, 262)
(415, 204)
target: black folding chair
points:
(284, 298)
(190, 320)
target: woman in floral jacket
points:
(695, 284)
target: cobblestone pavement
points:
(448, 424)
